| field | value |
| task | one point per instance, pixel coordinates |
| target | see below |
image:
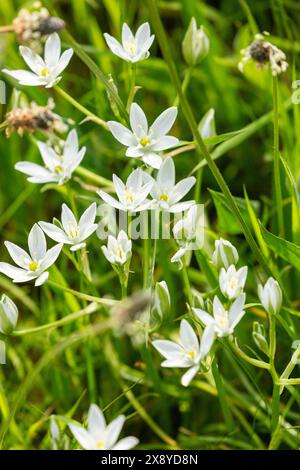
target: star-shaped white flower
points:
(45, 71)
(33, 265)
(132, 195)
(143, 141)
(186, 231)
(133, 48)
(270, 296)
(58, 168)
(188, 352)
(232, 281)
(118, 250)
(223, 321)
(72, 232)
(99, 435)
(166, 193)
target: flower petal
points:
(121, 133)
(83, 437)
(126, 443)
(52, 50)
(168, 349)
(164, 122)
(189, 375)
(138, 120)
(18, 255)
(54, 232)
(33, 60)
(113, 431)
(188, 337)
(96, 421)
(37, 243)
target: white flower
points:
(166, 193)
(8, 315)
(187, 232)
(71, 232)
(33, 265)
(225, 254)
(133, 48)
(58, 168)
(102, 436)
(118, 250)
(143, 141)
(45, 72)
(223, 321)
(270, 296)
(188, 352)
(232, 282)
(162, 299)
(132, 195)
(195, 45)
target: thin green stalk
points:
(202, 150)
(186, 281)
(132, 87)
(185, 83)
(250, 360)
(92, 298)
(277, 184)
(81, 108)
(90, 175)
(92, 308)
(222, 396)
(290, 367)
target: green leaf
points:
(283, 248)
(226, 219)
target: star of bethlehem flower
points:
(232, 281)
(57, 168)
(132, 195)
(143, 141)
(102, 436)
(188, 352)
(186, 231)
(70, 231)
(225, 254)
(118, 250)
(223, 321)
(270, 296)
(166, 193)
(45, 71)
(33, 265)
(133, 48)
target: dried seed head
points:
(30, 26)
(260, 51)
(132, 308)
(32, 119)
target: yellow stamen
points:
(100, 445)
(191, 354)
(45, 72)
(58, 169)
(164, 197)
(33, 266)
(144, 141)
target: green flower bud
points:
(270, 296)
(8, 315)
(162, 301)
(195, 45)
(259, 337)
(225, 254)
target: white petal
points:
(188, 337)
(52, 50)
(110, 200)
(63, 61)
(126, 34)
(115, 46)
(126, 443)
(203, 316)
(119, 187)
(17, 274)
(207, 340)
(24, 77)
(71, 146)
(121, 133)
(49, 156)
(164, 122)
(32, 169)
(134, 152)
(88, 217)
(189, 375)
(113, 431)
(152, 159)
(54, 232)
(96, 421)
(166, 175)
(67, 218)
(51, 256)
(165, 142)
(138, 120)
(83, 437)
(34, 61)
(37, 243)
(41, 279)
(18, 255)
(168, 349)
(181, 189)
(143, 34)
(236, 310)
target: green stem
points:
(277, 184)
(290, 367)
(222, 397)
(132, 87)
(90, 175)
(250, 360)
(185, 84)
(92, 298)
(186, 281)
(201, 147)
(81, 108)
(92, 308)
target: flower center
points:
(233, 282)
(44, 72)
(58, 169)
(129, 196)
(131, 47)
(100, 445)
(145, 141)
(73, 230)
(191, 354)
(33, 266)
(164, 197)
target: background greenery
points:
(100, 369)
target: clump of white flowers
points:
(45, 71)
(134, 47)
(146, 142)
(188, 352)
(264, 53)
(195, 45)
(270, 296)
(102, 436)
(58, 167)
(32, 266)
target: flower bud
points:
(8, 315)
(259, 337)
(195, 45)
(198, 301)
(162, 301)
(225, 254)
(270, 296)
